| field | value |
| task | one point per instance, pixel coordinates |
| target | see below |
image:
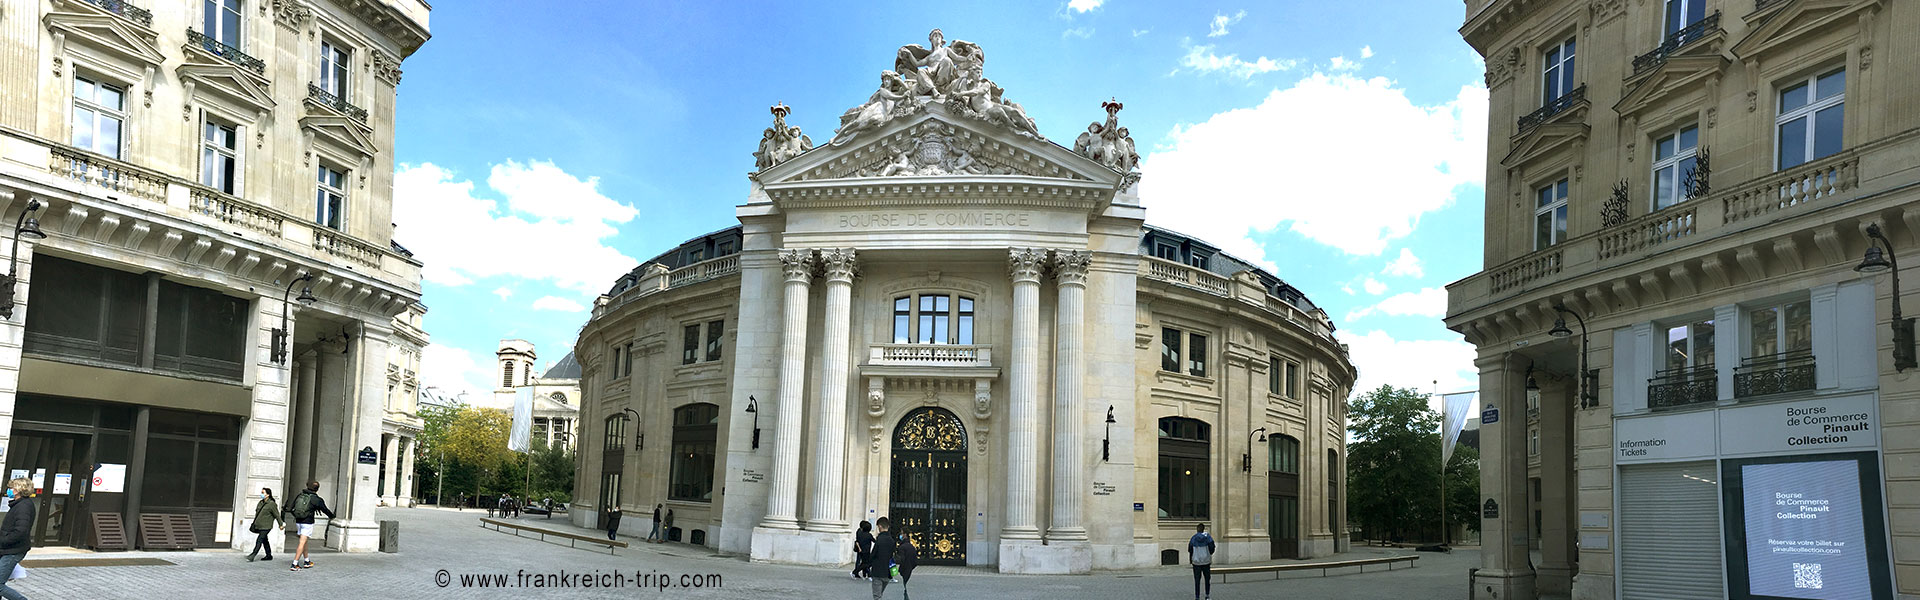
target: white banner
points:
(522, 420)
(1455, 408)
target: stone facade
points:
(166, 152)
(942, 318)
(1685, 206)
(556, 392)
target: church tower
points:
(515, 359)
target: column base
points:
(387, 501)
(800, 547)
(1032, 557)
(824, 526)
(353, 536)
(1515, 586)
(403, 502)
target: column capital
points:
(1026, 264)
(1070, 266)
(797, 265)
(839, 264)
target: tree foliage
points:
(1394, 468)
(467, 446)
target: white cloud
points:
(1220, 22)
(455, 370)
(1429, 302)
(1417, 364)
(1340, 63)
(1077, 32)
(550, 226)
(1407, 265)
(1202, 59)
(1141, 32)
(1366, 52)
(558, 303)
(1308, 155)
(1373, 286)
(1084, 5)
(503, 292)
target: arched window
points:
(616, 432)
(1333, 491)
(506, 377)
(1185, 445)
(1283, 454)
(695, 429)
(932, 319)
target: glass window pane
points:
(1677, 347)
(111, 97)
(82, 88)
(1560, 190)
(1797, 327)
(1827, 129)
(82, 128)
(1542, 231)
(1663, 148)
(1832, 84)
(1689, 137)
(900, 327)
(1763, 332)
(1792, 98)
(230, 26)
(207, 167)
(1663, 187)
(1170, 350)
(1560, 223)
(109, 137)
(1793, 143)
(1546, 197)
(1703, 344)
(965, 329)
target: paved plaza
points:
(434, 540)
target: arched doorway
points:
(929, 495)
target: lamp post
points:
(1589, 378)
(639, 437)
(1246, 460)
(1106, 445)
(753, 408)
(1878, 261)
(306, 298)
(26, 225)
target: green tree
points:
(1394, 467)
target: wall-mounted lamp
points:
(280, 349)
(1246, 460)
(1589, 378)
(753, 408)
(27, 226)
(1879, 261)
(1106, 445)
(1533, 390)
(639, 436)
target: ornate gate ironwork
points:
(929, 496)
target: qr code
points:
(1807, 576)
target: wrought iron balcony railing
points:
(336, 103)
(1674, 388)
(122, 8)
(1557, 106)
(1675, 41)
(1774, 374)
(222, 50)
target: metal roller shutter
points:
(1670, 532)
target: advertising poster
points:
(62, 483)
(1805, 533)
(110, 477)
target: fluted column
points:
(784, 495)
(830, 431)
(1069, 368)
(1022, 476)
(390, 451)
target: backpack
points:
(1202, 555)
(303, 506)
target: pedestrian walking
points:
(905, 555)
(16, 532)
(303, 508)
(1200, 553)
(863, 551)
(652, 535)
(883, 549)
(613, 521)
(266, 514)
(666, 527)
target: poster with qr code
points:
(1805, 532)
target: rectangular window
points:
(1293, 380)
(1557, 72)
(335, 64)
(1674, 158)
(1197, 259)
(934, 318)
(200, 331)
(617, 362)
(1197, 355)
(963, 321)
(1170, 349)
(1690, 345)
(220, 20)
(330, 198)
(99, 115)
(1550, 216)
(690, 347)
(903, 320)
(628, 370)
(1779, 329)
(724, 248)
(86, 312)
(696, 255)
(219, 157)
(1167, 252)
(1283, 454)
(1811, 114)
(714, 330)
(616, 432)
(1273, 376)
(1681, 13)
(1533, 442)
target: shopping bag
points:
(19, 572)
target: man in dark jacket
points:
(883, 548)
(303, 508)
(906, 556)
(613, 521)
(1200, 553)
(16, 532)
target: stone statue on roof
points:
(780, 142)
(950, 74)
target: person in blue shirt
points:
(1200, 553)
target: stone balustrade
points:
(108, 173)
(334, 243)
(1786, 189)
(1636, 236)
(1186, 275)
(930, 355)
(235, 211)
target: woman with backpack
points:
(266, 514)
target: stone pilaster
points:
(784, 493)
(404, 495)
(1069, 369)
(1506, 570)
(390, 451)
(356, 530)
(301, 470)
(824, 505)
(1022, 476)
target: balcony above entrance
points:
(930, 361)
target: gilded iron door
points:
(929, 495)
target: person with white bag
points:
(16, 534)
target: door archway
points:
(929, 495)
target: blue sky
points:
(543, 152)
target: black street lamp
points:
(753, 408)
(1106, 445)
(1878, 261)
(280, 349)
(1246, 460)
(1589, 378)
(639, 437)
(26, 225)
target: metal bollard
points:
(1471, 589)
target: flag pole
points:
(1443, 464)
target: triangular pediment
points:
(938, 144)
(342, 132)
(1679, 73)
(1543, 140)
(96, 28)
(1796, 20)
(228, 81)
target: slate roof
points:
(567, 368)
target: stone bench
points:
(1221, 573)
(573, 539)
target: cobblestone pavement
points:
(437, 541)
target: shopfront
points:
(1783, 499)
